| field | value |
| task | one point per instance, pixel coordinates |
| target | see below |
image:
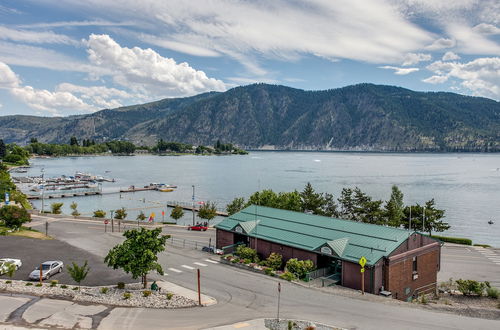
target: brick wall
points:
(265, 248)
(223, 238)
(399, 271)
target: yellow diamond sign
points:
(362, 261)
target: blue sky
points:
(73, 57)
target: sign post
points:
(7, 198)
(199, 288)
(362, 263)
(106, 225)
(279, 296)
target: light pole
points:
(43, 188)
(193, 204)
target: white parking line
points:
(187, 267)
(212, 261)
(175, 270)
(199, 264)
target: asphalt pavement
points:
(244, 295)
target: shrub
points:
(468, 287)
(299, 267)
(127, 295)
(274, 261)
(99, 214)
(8, 282)
(64, 286)
(56, 207)
(75, 288)
(38, 284)
(246, 261)
(492, 293)
(104, 290)
(13, 216)
(246, 253)
(423, 299)
(483, 245)
(269, 271)
(29, 284)
(288, 276)
(169, 295)
(456, 240)
(53, 283)
(235, 260)
(120, 285)
(146, 293)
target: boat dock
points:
(64, 195)
(189, 207)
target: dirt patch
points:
(30, 234)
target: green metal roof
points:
(349, 240)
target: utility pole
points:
(199, 288)
(409, 227)
(43, 188)
(46, 228)
(193, 204)
(112, 222)
(423, 221)
(279, 298)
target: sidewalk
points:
(181, 291)
(256, 324)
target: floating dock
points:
(64, 195)
(196, 208)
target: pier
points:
(189, 207)
(64, 195)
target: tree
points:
(78, 273)
(347, 204)
(13, 216)
(3, 149)
(120, 214)
(141, 216)
(75, 212)
(33, 140)
(395, 208)
(56, 207)
(99, 214)
(433, 218)
(177, 213)
(138, 254)
(208, 211)
(11, 270)
(310, 200)
(235, 206)
(73, 141)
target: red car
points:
(198, 228)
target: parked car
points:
(49, 268)
(198, 227)
(4, 263)
(211, 249)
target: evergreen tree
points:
(395, 208)
(73, 141)
(310, 200)
(3, 149)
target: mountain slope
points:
(359, 117)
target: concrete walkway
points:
(181, 291)
(257, 324)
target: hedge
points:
(456, 240)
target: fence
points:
(185, 243)
(319, 273)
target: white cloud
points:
(45, 37)
(8, 79)
(472, 42)
(178, 46)
(449, 56)
(412, 58)
(52, 102)
(146, 71)
(373, 32)
(74, 24)
(441, 43)
(484, 28)
(100, 96)
(399, 71)
(480, 76)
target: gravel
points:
(283, 324)
(112, 297)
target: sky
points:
(77, 57)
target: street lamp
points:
(193, 204)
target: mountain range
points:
(362, 117)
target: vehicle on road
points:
(4, 264)
(198, 227)
(49, 268)
(211, 249)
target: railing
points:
(185, 243)
(319, 273)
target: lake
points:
(466, 185)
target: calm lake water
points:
(467, 186)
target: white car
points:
(49, 268)
(4, 263)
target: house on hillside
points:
(398, 261)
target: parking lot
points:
(32, 252)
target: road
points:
(244, 295)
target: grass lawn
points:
(25, 232)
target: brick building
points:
(398, 261)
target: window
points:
(414, 265)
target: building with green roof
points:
(398, 261)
